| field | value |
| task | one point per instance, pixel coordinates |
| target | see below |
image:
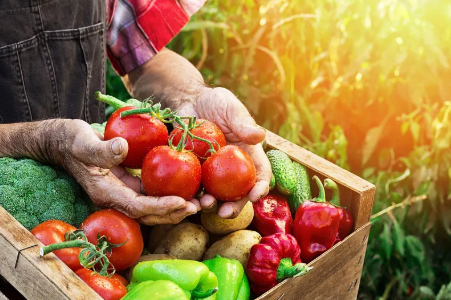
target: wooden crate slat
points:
(2, 297)
(335, 274)
(35, 277)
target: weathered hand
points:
(220, 106)
(94, 164)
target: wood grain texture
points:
(3, 297)
(356, 193)
(35, 277)
(335, 274)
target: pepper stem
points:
(287, 270)
(330, 184)
(322, 193)
(110, 100)
(200, 294)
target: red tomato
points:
(118, 228)
(120, 278)
(52, 231)
(208, 131)
(107, 288)
(168, 172)
(229, 174)
(142, 132)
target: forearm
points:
(37, 140)
(168, 77)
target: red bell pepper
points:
(316, 225)
(272, 215)
(346, 219)
(275, 258)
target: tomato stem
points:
(186, 131)
(90, 255)
(110, 100)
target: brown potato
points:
(219, 226)
(184, 241)
(236, 245)
(158, 233)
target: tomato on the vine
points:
(203, 129)
(142, 132)
(53, 231)
(229, 174)
(107, 288)
(118, 228)
(169, 172)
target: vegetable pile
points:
(204, 256)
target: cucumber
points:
(283, 171)
(272, 183)
(303, 191)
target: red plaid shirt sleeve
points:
(138, 29)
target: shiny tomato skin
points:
(53, 231)
(229, 174)
(118, 228)
(107, 288)
(120, 278)
(168, 172)
(207, 130)
(142, 132)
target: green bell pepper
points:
(192, 276)
(233, 283)
(156, 290)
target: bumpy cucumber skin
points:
(283, 171)
(303, 191)
(272, 183)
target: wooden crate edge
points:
(49, 275)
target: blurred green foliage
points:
(365, 84)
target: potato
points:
(236, 245)
(147, 257)
(158, 233)
(219, 226)
(184, 241)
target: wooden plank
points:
(35, 277)
(356, 193)
(335, 274)
(2, 297)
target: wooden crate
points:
(335, 274)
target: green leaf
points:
(415, 248)
(415, 130)
(386, 242)
(427, 292)
(399, 238)
(371, 140)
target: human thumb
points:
(246, 130)
(103, 154)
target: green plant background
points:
(365, 84)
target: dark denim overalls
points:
(52, 59)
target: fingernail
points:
(226, 212)
(116, 147)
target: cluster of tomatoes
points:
(117, 228)
(201, 155)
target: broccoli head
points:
(34, 193)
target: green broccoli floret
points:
(10, 199)
(34, 193)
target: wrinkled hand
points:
(221, 107)
(94, 164)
